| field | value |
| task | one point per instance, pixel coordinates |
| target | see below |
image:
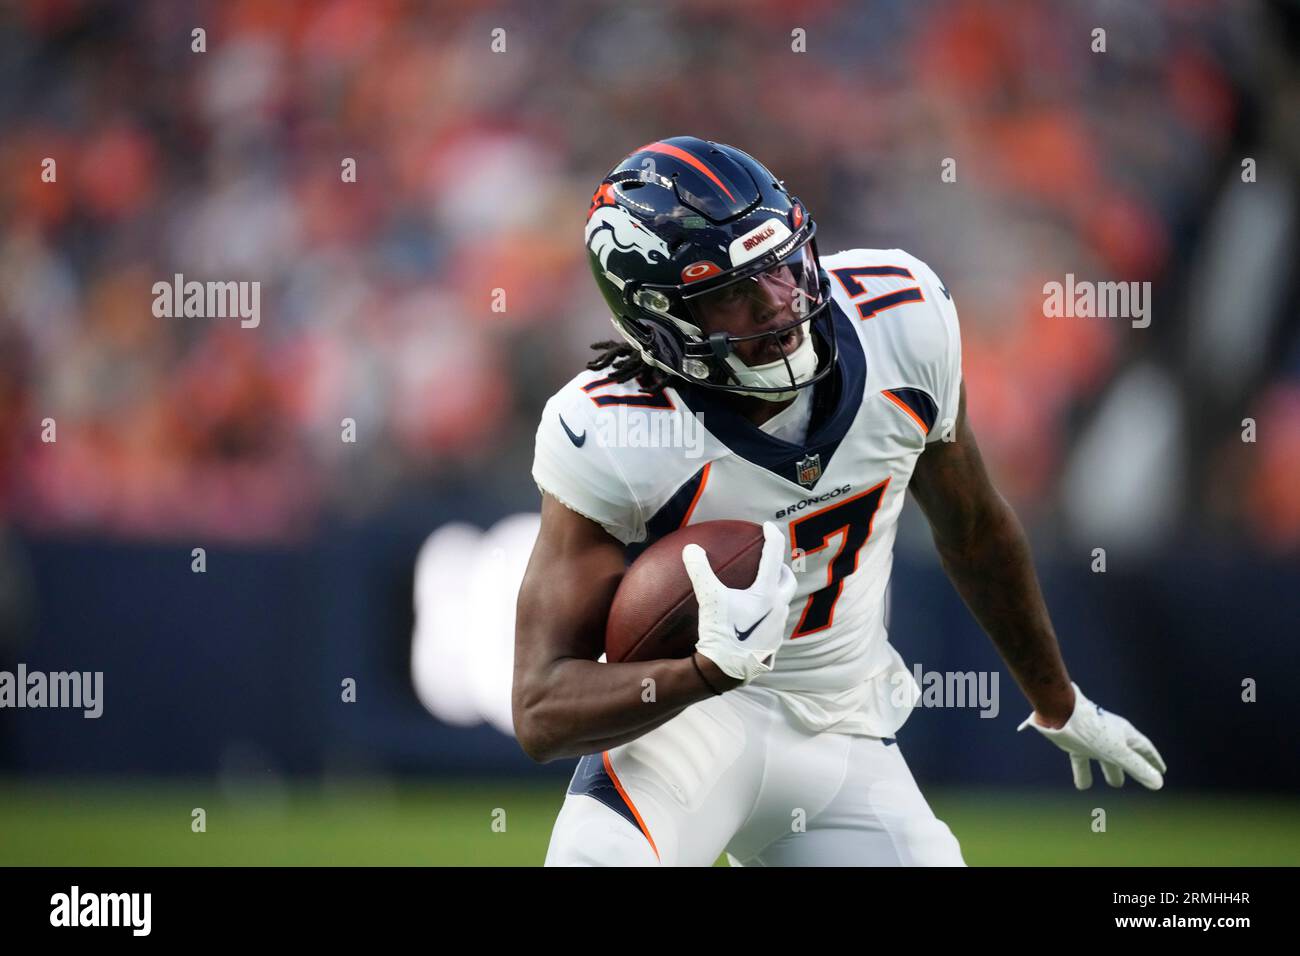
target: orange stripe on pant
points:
(618, 785)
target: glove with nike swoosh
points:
(741, 630)
(1093, 734)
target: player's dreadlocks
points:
(625, 363)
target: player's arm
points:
(985, 553)
(565, 702)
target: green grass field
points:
(91, 824)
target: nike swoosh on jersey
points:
(744, 635)
(576, 439)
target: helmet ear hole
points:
(668, 345)
(637, 330)
(658, 339)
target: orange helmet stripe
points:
(686, 158)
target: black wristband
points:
(716, 692)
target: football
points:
(654, 614)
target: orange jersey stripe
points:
(704, 480)
(905, 407)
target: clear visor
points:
(774, 301)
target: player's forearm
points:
(581, 707)
(993, 570)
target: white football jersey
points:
(643, 465)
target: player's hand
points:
(1093, 734)
(740, 631)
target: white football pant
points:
(737, 773)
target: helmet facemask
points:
(782, 356)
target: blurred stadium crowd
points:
(474, 169)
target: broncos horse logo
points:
(610, 229)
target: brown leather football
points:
(654, 615)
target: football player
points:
(823, 389)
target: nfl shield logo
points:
(809, 469)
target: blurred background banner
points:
(232, 516)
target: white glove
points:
(740, 631)
(1093, 734)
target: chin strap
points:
(797, 368)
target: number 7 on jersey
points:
(852, 519)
